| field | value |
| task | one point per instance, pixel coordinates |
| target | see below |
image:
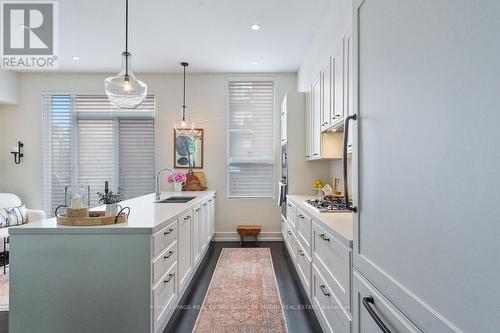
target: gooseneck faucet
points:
(157, 181)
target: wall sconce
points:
(16, 151)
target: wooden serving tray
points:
(95, 218)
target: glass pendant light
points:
(184, 124)
(124, 90)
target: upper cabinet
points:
(348, 96)
(317, 111)
(284, 120)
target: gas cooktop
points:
(336, 205)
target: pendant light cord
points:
(126, 38)
(184, 96)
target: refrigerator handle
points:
(367, 301)
(346, 186)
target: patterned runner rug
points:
(243, 295)
(4, 290)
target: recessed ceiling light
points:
(255, 62)
(75, 58)
(255, 27)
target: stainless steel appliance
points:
(336, 205)
(283, 183)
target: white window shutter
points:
(251, 139)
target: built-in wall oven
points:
(283, 183)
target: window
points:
(87, 142)
(251, 139)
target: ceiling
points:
(213, 35)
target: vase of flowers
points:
(180, 179)
(111, 200)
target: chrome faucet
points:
(157, 181)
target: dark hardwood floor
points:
(292, 295)
(299, 320)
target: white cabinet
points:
(324, 265)
(204, 226)
(348, 84)
(338, 79)
(283, 122)
(317, 109)
(370, 307)
(185, 248)
(196, 234)
(328, 95)
(308, 122)
(212, 218)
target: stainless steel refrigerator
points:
(426, 166)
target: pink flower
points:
(179, 177)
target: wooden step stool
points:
(248, 230)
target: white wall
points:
(207, 104)
(8, 87)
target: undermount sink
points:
(176, 200)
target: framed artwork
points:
(188, 149)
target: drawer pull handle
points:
(290, 233)
(168, 255)
(367, 301)
(204, 204)
(169, 231)
(324, 290)
(323, 237)
(170, 276)
(210, 200)
(301, 216)
(301, 252)
(197, 210)
(187, 218)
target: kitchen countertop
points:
(339, 223)
(145, 216)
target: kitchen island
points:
(125, 277)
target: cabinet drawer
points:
(333, 259)
(389, 315)
(164, 296)
(164, 261)
(304, 268)
(284, 230)
(291, 243)
(291, 215)
(304, 230)
(164, 237)
(329, 311)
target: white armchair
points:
(8, 200)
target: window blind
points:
(87, 142)
(251, 139)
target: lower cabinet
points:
(374, 313)
(185, 249)
(177, 251)
(323, 264)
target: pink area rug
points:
(4, 290)
(243, 295)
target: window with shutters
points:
(86, 142)
(251, 139)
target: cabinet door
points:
(326, 113)
(283, 120)
(184, 243)
(348, 84)
(308, 123)
(338, 68)
(204, 226)
(317, 109)
(212, 217)
(196, 235)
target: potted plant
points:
(180, 179)
(111, 200)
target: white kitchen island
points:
(126, 277)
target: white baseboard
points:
(233, 236)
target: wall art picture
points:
(188, 149)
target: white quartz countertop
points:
(145, 216)
(340, 224)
